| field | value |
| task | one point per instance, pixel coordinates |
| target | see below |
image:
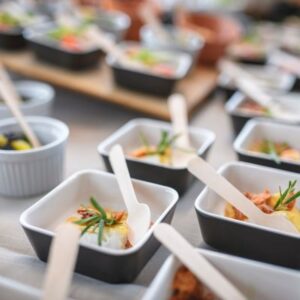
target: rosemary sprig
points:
(98, 207)
(97, 219)
(284, 199)
(166, 141)
(100, 231)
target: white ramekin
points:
(41, 97)
(36, 171)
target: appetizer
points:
(250, 106)
(14, 141)
(8, 21)
(158, 63)
(251, 48)
(14, 17)
(69, 38)
(282, 202)
(165, 152)
(276, 150)
(103, 227)
(187, 287)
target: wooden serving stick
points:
(197, 263)
(12, 102)
(61, 262)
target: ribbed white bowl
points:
(40, 99)
(36, 171)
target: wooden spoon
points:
(12, 101)
(197, 263)
(179, 117)
(208, 175)
(61, 262)
(139, 215)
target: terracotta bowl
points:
(219, 32)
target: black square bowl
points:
(114, 266)
(47, 51)
(244, 238)
(128, 137)
(149, 82)
(240, 117)
(256, 130)
(12, 39)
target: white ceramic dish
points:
(32, 172)
(240, 117)
(244, 238)
(40, 98)
(258, 281)
(115, 266)
(128, 136)
(256, 130)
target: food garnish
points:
(254, 107)
(277, 150)
(152, 61)
(8, 21)
(282, 202)
(163, 150)
(69, 38)
(102, 225)
(186, 286)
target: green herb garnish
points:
(166, 141)
(96, 218)
(285, 197)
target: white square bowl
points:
(256, 130)
(258, 281)
(114, 266)
(128, 137)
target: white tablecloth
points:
(90, 122)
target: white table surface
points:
(90, 122)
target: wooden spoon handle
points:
(62, 259)
(119, 166)
(4, 77)
(12, 104)
(207, 174)
(196, 263)
(179, 117)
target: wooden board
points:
(98, 83)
